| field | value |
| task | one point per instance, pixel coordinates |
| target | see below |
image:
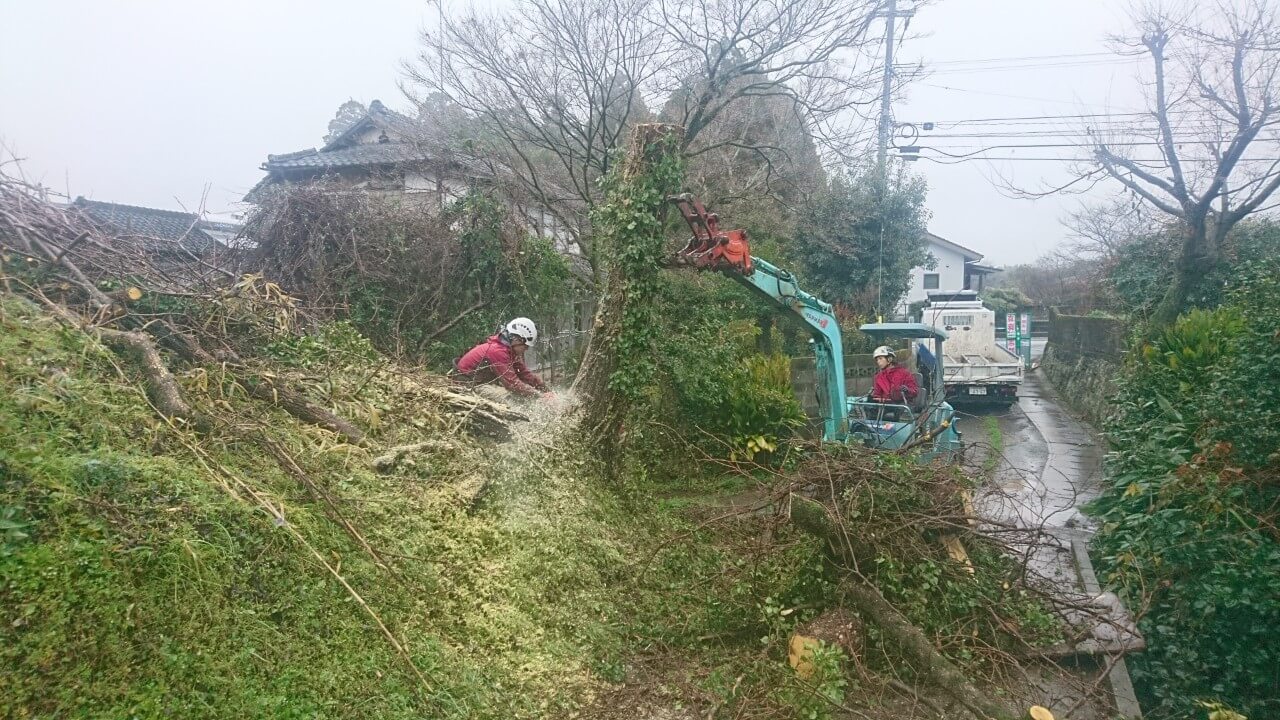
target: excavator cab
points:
(928, 420)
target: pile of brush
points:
(162, 306)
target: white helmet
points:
(523, 327)
(883, 351)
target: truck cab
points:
(977, 370)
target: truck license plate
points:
(977, 391)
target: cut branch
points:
(161, 386)
(815, 518)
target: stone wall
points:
(1083, 360)
(1092, 337)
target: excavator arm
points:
(728, 252)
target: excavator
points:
(927, 423)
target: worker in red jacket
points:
(501, 358)
(893, 383)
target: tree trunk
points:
(631, 242)
(1195, 258)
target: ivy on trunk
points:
(619, 363)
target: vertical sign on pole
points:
(1017, 334)
(1010, 332)
(1025, 337)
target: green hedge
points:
(1189, 513)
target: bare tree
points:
(1103, 230)
(551, 86)
(1060, 280)
(1213, 100)
(818, 55)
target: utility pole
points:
(886, 122)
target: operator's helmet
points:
(523, 327)
(883, 351)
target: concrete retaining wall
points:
(1083, 360)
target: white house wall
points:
(950, 270)
(447, 190)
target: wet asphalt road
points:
(1051, 464)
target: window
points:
(931, 281)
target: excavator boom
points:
(729, 252)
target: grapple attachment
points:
(711, 248)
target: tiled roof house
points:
(162, 232)
(381, 153)
(378, 153)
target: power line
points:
(1150, 161)
(1025, 57)
(1180, 135)
(1004, 95)
(1018, 67)
(1039, 117)
(1178, 119)
(1178, 140)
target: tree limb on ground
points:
(389, 460)
(814, 518)
(161, 386)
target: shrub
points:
(416, 280)
(1189, 509)
(714, 387)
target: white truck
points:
(976, 370)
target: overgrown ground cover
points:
(140, 579)
(216, 502)
(147, 571)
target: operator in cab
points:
(500, 358)
(893, 383)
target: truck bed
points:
(982, 368)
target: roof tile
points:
(374, 154)
(166, 230)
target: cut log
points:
(907, 639)
(162, 388)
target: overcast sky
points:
(150, 103)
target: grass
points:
(137, 584)
(138, 579)
(995, 438)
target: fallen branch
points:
(917, 650)
(915, 695)
(814, 518)
(482, 415)
(297, 405)
(162, 388)
(392, 458)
